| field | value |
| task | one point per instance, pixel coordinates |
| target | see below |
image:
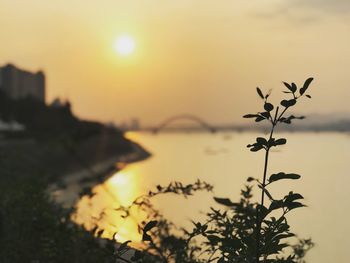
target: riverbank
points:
(30, 221)
(71, 186)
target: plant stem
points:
(258, 220)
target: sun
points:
(124, 45)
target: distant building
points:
(18, 83)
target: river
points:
(223, 160)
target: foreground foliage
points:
(32, 227)
(246, 231)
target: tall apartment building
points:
(18, 83)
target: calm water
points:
(224, 161)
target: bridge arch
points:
(190, 117)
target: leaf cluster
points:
(246, 231)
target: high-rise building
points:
(18, 83)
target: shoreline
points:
(70, 186)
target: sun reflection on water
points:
(99, 210)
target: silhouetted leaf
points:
(285, 120)
(284, 103)
(294, 205)
(289, 119)
(288, 103)
(282, 236)
(305, 86)
(276, 204)
(280, 141)
(146, 237)
(259, 118)
(250, 116)
(261, 140)
(224, 201)
(268, 106)
(293, 196)
(256, 147)
(273, 142)
(150, 225)
(258, 90)
(292, 87)
(281, 175)
(265, 114)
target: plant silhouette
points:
(246, 231)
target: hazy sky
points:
(200, 57)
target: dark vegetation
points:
(59, 140)
(47, 122)
(32, 227)
(247, 231)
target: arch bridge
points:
(190, 117)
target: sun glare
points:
(124, 45)
(119, 179)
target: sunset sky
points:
(199, 57)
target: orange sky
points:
(200, 57)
